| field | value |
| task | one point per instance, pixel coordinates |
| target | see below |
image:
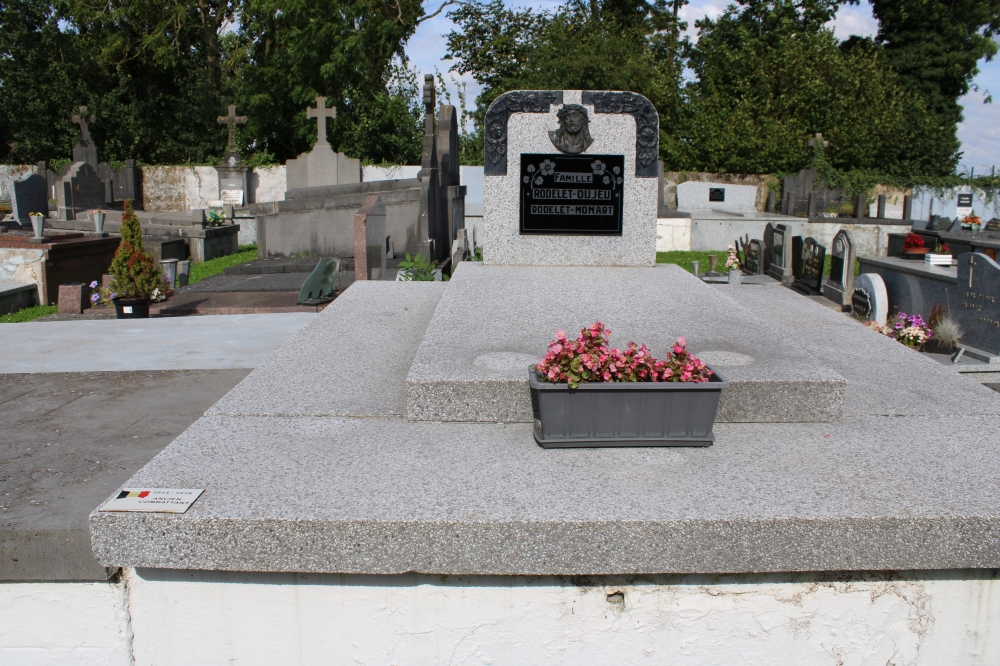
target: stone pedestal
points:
(74, 298)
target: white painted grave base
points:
(193, 617)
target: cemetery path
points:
(68, 440)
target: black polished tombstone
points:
(753, 263)
(781, 257)
(840, 286)
(810, 278)
(768, 249)
(797, 247)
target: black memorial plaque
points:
(861, 304)
(716, 194)
(572, 194)
(964, 201)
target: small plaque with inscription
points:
(572, 194)
(716, 194)
(861, 305)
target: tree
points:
(43, 75)
(769, 75)
(287, 53)
(935, 46)
(596, 45)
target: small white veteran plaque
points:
(154, 500)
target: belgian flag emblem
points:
(132, 493)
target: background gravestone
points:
(872, 285)
(768, 248)
(322, 166)
(840, 287)
(978, 311)
(370, 241)
(694, 195)
(85, 150)
(28, 194)
(810, 277)
(753, 263)
(79, 191)
(588, 166)
(781, 254)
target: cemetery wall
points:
(12, 171)
(190, 616)
(167, 188)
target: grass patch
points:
(684, 259)
(29, 314)
(215, 266)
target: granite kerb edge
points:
(606, 547)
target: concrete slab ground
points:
(124, 345)
(69, 439)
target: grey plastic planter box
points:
(625, 413)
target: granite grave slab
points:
(483, 377)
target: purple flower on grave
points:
(94, 298)
(114, 294)
(93, 285)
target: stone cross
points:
(232, 120)
(818, 140)
(321, 113)
(84, 122)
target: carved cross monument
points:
(232, 120)
(321, 113)
(818, 140)
(85, 150)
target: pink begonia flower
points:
(560, 334)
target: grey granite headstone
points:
(79, 191)
(872, 285)
(840, 287)
(570, 179)
(781, 254)
(27, 195)
(978, 311)
(321, 167)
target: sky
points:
(979, 132)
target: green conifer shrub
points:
(134, 271)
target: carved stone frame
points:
(647, 123)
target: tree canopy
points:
(745, 96)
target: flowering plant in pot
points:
(971, 222)
(135, 278)
(587, 393)
(914, 245)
